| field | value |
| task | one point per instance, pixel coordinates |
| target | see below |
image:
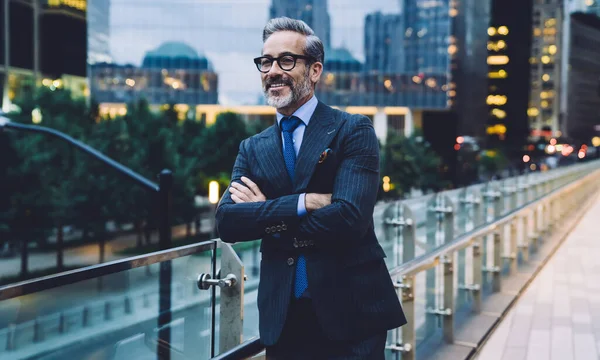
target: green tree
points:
(44, 173)
(221, 146)
(410, 163)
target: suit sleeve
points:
(354, 191)
(252, 221)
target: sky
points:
(228, 32)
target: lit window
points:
(533, 112)
(491, 31)
(497, 60)
(503, 30)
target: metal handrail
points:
(431, 258)
(163, 191)
(95, 271)
(5, 123)
(244, 350)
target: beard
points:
(297, 91)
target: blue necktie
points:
(288, 125)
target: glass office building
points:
(43, 43)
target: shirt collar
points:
(304, 112)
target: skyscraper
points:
(43, 42)
(384, 43)
(509, 47)
(546, 68)
(98, 31)
(312, 12)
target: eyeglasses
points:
(285, 62)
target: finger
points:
(240, 195)
(242, 189)
(236, 199)
(251, 185)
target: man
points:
(307, 186)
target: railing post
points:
(405, 338)
(10, 337)
(510, 192)
(85, 317)
(62, 323)
(127, 305)
(535, 228)
(165, 275)
(447, 262)
(400, 226)
(477, 275)
(107, 311)
(524, 243)
(525, 189)
(37, 331)
(512, 253)
(497, 267)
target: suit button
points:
(267, 230)
(273, 229)
(290, 261)
(278, 227)
(284, 227)
(295, 244)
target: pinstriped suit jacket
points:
(348, 281)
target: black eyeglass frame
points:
(257, 60)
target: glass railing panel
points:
(119, 315)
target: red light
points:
(456, 147)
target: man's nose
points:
(275, 69)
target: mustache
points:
(278, 80)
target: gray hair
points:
(314, 45)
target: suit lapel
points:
(321, 129)
(270, 158)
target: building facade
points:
(509, 74)
(546, 69)
(582, 117)
(174, 73)
(44, 43)
(313, 12)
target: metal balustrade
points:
(450, 254)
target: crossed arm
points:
(244, 211)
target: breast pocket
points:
(324, 175)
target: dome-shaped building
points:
(172, 73)
(175, 55)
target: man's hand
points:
(316, 201)
(248, 193)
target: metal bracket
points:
(441, 209)
(205, 281)
(398, 222)
(439, 312)
(471, 287)
(399, 285)
(492, 269)
(490, 194)
(470, 199)
(401, 348)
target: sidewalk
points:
(558, 315)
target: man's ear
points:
(315, 71)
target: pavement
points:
(558, 315)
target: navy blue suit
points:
(349, 284)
